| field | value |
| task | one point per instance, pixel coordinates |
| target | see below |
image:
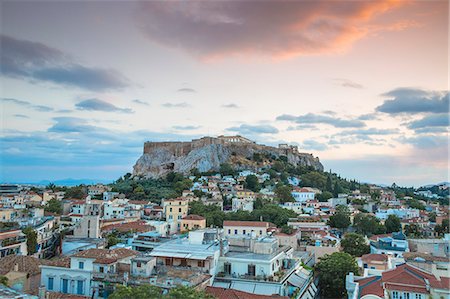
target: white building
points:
(302, 194)
(244, 204)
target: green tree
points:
(278, 166)
(324, 196)
(226, 169)
(314, 179)
(337, 189)
(4, 280)
(183, 292)
(112, 240)
(252, 183)
(432, 216)
(329, 185)
(31, 235)
(393, 224)
(413, 230)
(332, 270)
(54, 206)
(355, 244)
(77, 192)
(283, 193)
(443, 228)
(136, 292)
(367, 224)
(341, 218)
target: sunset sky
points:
(363, 85)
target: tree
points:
(329, 185)
(77, 192)
(4, 280)
(283, 193)
(393, 224)
(355, 244)
(53, 206)
(324, 196)
(31, 235)
(341, 218)
(252, 183)
(147, 291)
(367, 224)
(332, 270)
(226, 169)
(136, 292)
(337, 189)
(413, 230)
(432, 216)
(112, 240)
(183, 292)
(443, 228)
(314, 179)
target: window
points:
(50, 283)
(201, 264)
(395, 295)
(243, 232)
(101, 269)
(65, 286)
(170, 210)
(418, 296)
(251, 270)
(229, 231)
(235, 231)
(365, 266)
(80, 265)
(79, 287)
(179, 210)
(227, 268)
(260, 232)
(138, 264)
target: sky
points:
(363, 85)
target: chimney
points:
(16, 267)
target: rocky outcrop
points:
(207, 153)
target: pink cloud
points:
(212, 29)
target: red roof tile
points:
(248, 223)
(221, 293)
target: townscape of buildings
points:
(105, 239)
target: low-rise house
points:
(395, 245)
(193, 222)
(263, 268)
(87, 271)
(244, 204)
(12, 242)
(403, 282)
(437, 265)
(436, 247)
(302, 194)
(374, 264)
(23, 272)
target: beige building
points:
(289, 239)
(192, 222)
(7, 215)
(88, 227)
(175, 210)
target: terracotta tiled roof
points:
(375, 257)
(53, 295)
(248, 223)
(137, 226)
(95, 253)
(194, 217)
(57, 262)
(371, 285)
(27, 264)
(376, 237)
(409, 256)
(221, 293)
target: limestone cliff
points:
(207, 153)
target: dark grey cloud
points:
(411, 100)
(275, 28)
(348, 83)
(176, 105)
(40, 108)
(99, 105)
(231, 105)
(311, 118)
(33, 61)
(245, 129)
(141, 102)
(188, 90)
(186, 128)
(433, 120)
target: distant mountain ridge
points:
(208, 153)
